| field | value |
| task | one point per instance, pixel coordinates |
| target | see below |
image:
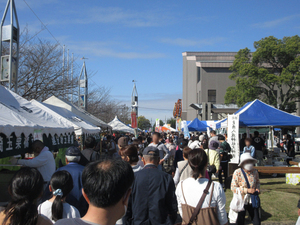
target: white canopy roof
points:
(78, 123)
(76, 110)
(11, 121)
(48, 123)
(117, 125)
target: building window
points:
(212, 96)
(198, 74)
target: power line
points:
(155, 108)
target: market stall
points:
(119, 126)
(197, 125)
(78, 111)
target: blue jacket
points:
(75, 197)
(251, 150)
(153, 199)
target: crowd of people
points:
(151, 179)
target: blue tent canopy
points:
(259, 114)
(197, 125)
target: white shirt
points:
(44, 163)
(193, 190)
(69, 211)
(194, 144)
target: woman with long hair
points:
(61, 184)
(25, 188)
(199, 199)
(130, 155)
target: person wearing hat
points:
(213, 157)
(239, 182)
(152, 199)
(75, 197)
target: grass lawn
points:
(278, 200)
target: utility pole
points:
(134, 109)
(68, 74)
(10, 34)
(63, 73)
(72, 78)
(83, 84)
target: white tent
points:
(78, 111)
(170, 128)
(78, 123)
(48, 123)
(11, 121)
(117, 125)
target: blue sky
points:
(144, 40)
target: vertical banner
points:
(233, 137)
(133, 120)
(185, 129)
(157, 122)
(178, 124)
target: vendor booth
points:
(259, 114)
(78, 111)
(197, 125)
(55, 132)
(117, 125)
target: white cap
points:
(246, 156)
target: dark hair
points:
(37, 143)
(171, 140)
(256, 133)
(205, 143)
(132, 152)
(156, 134)
(186, 152)
(90, 142)
(105, 183)
(248, 139)
(197, 161)
(221, 138)
(25, 188)
(213, 132)
(60, 180)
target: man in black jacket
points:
(153, 199)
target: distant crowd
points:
(156, 178)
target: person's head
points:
(186, 152)
(213, 145)
(212, 133)
(155, 137)
(197, 159)
(37, 146)
(182, 143)
(248, 142)
(106, 185)
(61, 184)
(256, 133)
(90, 142)
(108, 137)
(123, 142)
(130, 154)
(205, 143)
(201, 137)
(73, 154)
(171, 140)
(25, 188)
(244, 135)
(247, 162)
(151, 156)
(221, 138)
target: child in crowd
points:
(56, 208)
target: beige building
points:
(205, 80)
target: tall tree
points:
(271, 73)
(143, 123)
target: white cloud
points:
(107, 49)
(191, 42)
(275, 23)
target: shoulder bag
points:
(254, 197)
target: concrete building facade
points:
(205, 81)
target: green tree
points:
(271, 73)
(143, 123)
(172, 121)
